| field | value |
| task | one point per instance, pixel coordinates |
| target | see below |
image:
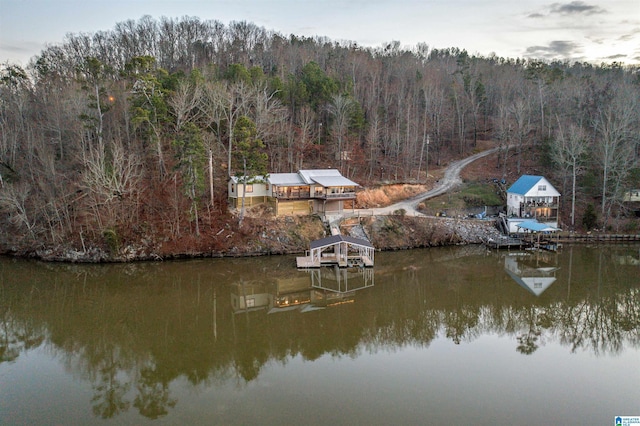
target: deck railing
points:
(281, 195)
(294, 195)
(336, 196)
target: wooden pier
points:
(599, 238)
(339, 250)
(504, 243)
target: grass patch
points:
(470, 195)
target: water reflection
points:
(133, 330)
(534, 271)
(305, 291)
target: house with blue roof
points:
(322, 191)
(532, 198)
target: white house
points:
(532, 198)
(308, 191)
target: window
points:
(542, 187)
(233, 187)
(248, 188)
(266, 186)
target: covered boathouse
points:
(340, 250)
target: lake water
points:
(438, 336)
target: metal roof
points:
(324, 177)
(524, 184)
(330, 177)
(334, 239)
(328, 181)
(286, 179)
(308, 175)
(254, 179)
(532, 225)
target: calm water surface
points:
(438, 336)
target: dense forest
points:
(134, 131)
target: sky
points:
(594, 31)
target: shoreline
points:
(386, 233)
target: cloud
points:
(615, 57)
(556, 49)
(576, 8)
(571, 9)
(630, 36)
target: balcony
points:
(534, 204)
(293, 195)
(336, 196)
(305, 193)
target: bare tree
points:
(614, 148)
(236, 101)
(13, 201)
(301, 140)
(212, 108)
(568, 151)
(185, 102)
(340, 108)
(111, 175)
(521, 112)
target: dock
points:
(338, 250)
(504, 243)
(305, 262)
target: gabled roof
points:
(286, 179)
(329, 241)
(308, 175)
(326, 177)
(329, 181)
(526, 183)
(534, 285)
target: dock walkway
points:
(504, 243)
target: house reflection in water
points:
(308, 291)
(533, 271)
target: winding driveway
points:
(449, 181)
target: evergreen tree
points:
(190, 155)
(250, 159)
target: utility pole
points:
(427, 166)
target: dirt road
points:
(450, 181)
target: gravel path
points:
(449, 182)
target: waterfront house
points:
(532, 198)
(322, 191)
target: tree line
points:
(150, 119)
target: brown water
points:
(438, 336)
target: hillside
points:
(126, 139)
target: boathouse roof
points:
(328, 241)
(535, 226)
